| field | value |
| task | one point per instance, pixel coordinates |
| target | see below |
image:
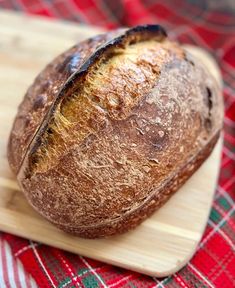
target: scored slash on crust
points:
(104, 52)
(124, 132)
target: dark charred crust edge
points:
(129, 37)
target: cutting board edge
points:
(139, 267)
(70, 36)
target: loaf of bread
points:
(111, 128)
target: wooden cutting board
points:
(162, 244)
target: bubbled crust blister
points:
(132, 156)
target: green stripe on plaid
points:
(82, 271)
(64, 283)
(215, 215)
(87, 280)
(90, 281)
(224, 203)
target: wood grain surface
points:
(162, 244)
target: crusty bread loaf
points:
(111, 128)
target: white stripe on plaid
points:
(81, 274)
(217, 227)
(9, 262)
(41, 264)
(229, 183)
(230, 154)
(22, 250)
(3, 283)
(74, 278)
(93, 271)
(204, 279)
(224, 194)
(24, 280)
(221, 232)
(160, 284)
(69, 281)
(222, 212)
(180, 281)
(121, 280)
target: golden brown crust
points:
(43, 92)
(160, 197)
(126, 130)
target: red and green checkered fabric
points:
(211, 25)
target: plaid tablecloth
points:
(209, 24)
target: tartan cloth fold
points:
(211, 25)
